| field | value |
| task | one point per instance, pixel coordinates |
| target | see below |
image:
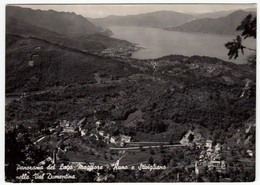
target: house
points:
(209, 143)
(209, 151)
(200, 167)
(101, 133)
(83, 132)
(67, 124)
(113, 140)
(125, 139)
(106, 138)
(216, 158)
(223, 165)
(31, 63)
(199, 144)
(220, 166)
(69, 130)
(217, 148)
(213, 164)
(98, 123)
(250, 153)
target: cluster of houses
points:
(191, 138)
(119, 52)
(119, 140)
(71, 127)
(210, 158)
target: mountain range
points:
(70, 26)
(67, 29)
(222, 25)
(219, 14)
(60, 22)
(159, 19)
(221, 22)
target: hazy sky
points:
(105, 10)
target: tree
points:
(151, 160)
(19, 149)
(248, 28)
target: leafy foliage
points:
(19, 149)
(248, 28)
(234, 47)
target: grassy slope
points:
(53, 64)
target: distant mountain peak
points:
(158, 19)
(67, 23)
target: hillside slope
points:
(60, 22)
(95, 42)
(34, 64)
(223, 25)
(160, 19)
(150, 100)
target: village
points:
(210, 157)
(121, 52)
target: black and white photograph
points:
(130, 92)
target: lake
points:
(158, 43)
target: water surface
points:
(158, 43)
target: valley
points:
(82, 108)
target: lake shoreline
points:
(154, 45)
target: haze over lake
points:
(158, 43)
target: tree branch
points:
(250, 48)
